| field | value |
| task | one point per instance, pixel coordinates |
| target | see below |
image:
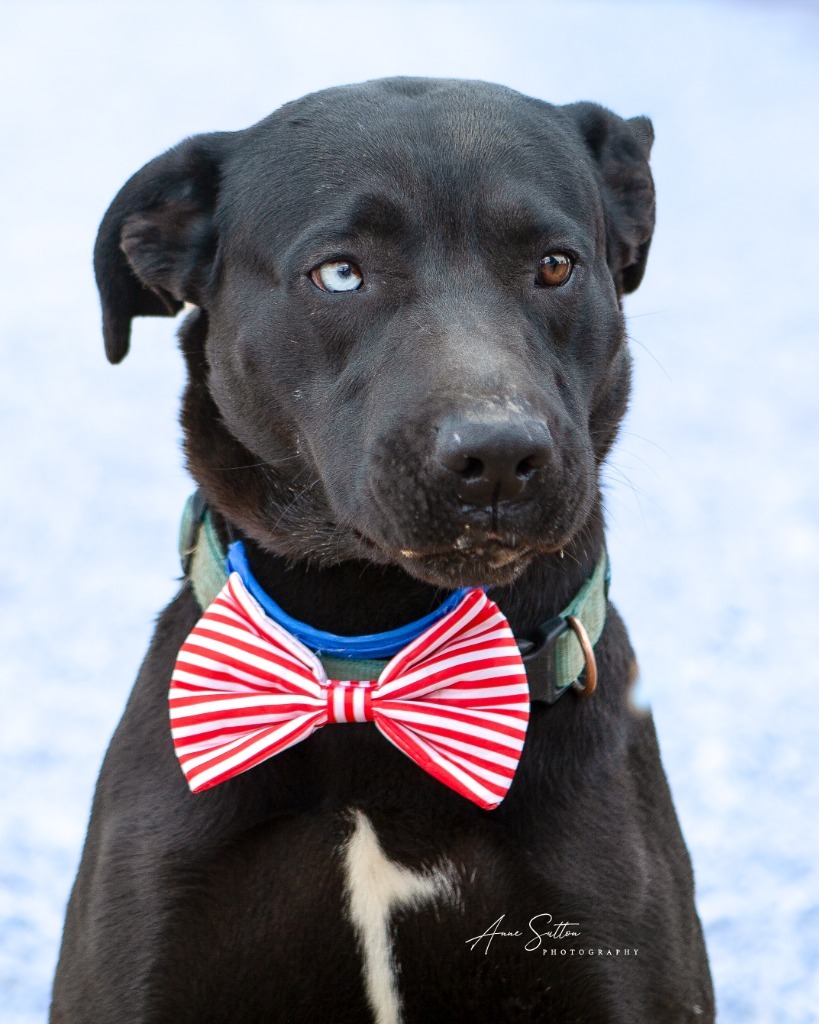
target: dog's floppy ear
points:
(620, 150)
(157, 242)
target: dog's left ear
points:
(157, 242)
(620, 150)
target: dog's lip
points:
(492, 549)
(483, 562)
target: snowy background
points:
(713, 497)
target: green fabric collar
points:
(552, 667)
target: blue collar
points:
(373, 645)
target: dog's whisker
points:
(257, 465)
(647, 440)
(634, 488)
(233, 469)
(648, 351)
(298, 498)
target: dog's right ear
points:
(157, 242)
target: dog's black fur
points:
(321, 428)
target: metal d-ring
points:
(579, 631)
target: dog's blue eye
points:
(337, 276)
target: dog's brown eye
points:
(554, 269)
(337, 276)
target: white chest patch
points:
(376, 886)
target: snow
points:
(712, 496)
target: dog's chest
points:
(314, 914)
(377, 893)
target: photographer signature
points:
(541, 926)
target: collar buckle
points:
(539, 660)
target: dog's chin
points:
(491, 565)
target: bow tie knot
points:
(455, 700)
(349, 701)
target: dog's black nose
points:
(492, 460)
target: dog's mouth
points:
(491, 563)
(472, 560)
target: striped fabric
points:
(455, 700)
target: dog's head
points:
(409, 345)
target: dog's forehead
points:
(450, 142)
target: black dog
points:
(406, 367)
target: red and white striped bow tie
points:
(455, 700)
